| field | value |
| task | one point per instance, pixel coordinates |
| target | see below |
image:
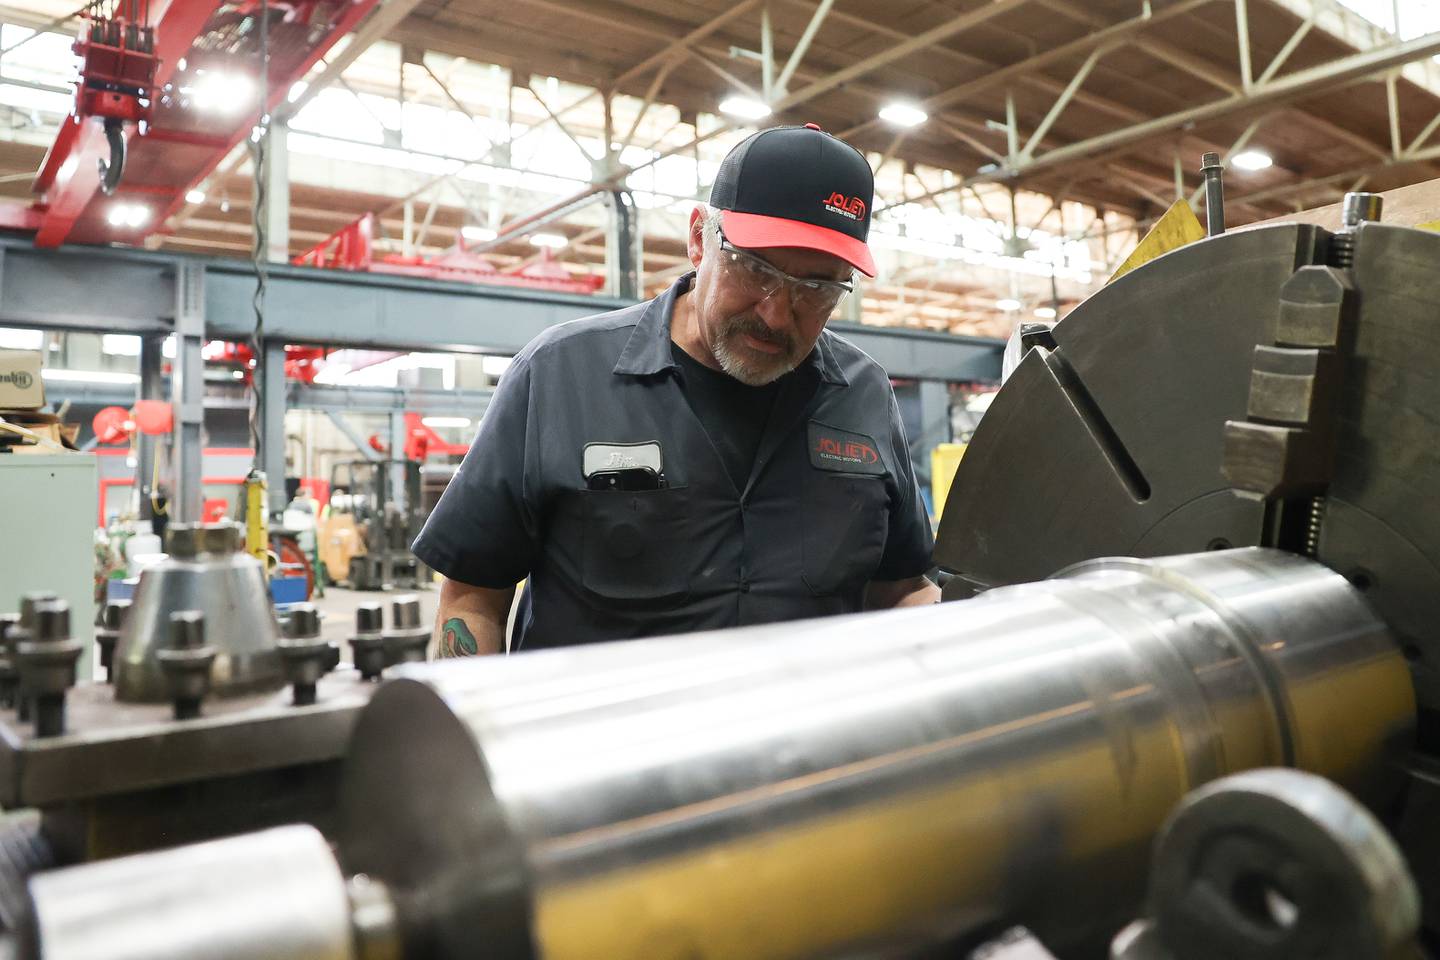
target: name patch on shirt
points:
(843, 451)
(601, 457)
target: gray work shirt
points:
(831, 502)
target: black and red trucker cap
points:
(797, 187)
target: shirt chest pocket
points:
(634, 544)
(844, 527)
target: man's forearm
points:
(471, 620)
(460, 636)
(887, 594)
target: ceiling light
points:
(446, 421)
(218, 92)
(127, 215)
(195, 196)
(1007, 304)
(1045, 313)
(903, 114)
(478, 234)
(552, 241)
(1251, 160)
(745, 108)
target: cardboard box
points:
(21, 387)
(46, 434)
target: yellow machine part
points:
(257, 530)
(944, 460)
(1178, 227)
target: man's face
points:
(757, 338)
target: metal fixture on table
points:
(304, 652)
(186, 663)
(204, 571)
(107, 634)
(407, 638)
(368, 646)
(46, 655)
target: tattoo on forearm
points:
(456, 640)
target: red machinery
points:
(301, 363)
(352, 248)
(175, 85)
(421, 442)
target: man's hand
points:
(914, 592)
(471, 620)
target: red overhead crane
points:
(174, 126)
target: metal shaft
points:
(800, 790)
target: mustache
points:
(751, 325)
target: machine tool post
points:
(9, 677)
(24, 631)
(304, 653)
(407, 638)
(368, 645)
(187, 662)
(107, 634)
(46, 657)
(1212, 168)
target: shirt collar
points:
(647, 352)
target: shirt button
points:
(744, 586)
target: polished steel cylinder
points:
(861, 784)
(273, 895)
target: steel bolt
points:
(1213, 170)
(23, 632)
(368, 644)
(407, 639)
(1361, 208)
(370, 618)
(1357, 209)
(303, 652)
(187, 541)
(45, 655)
(187, 662)
(112, 620)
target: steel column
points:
(622, 240)
(934, 397)
(398, 491)
(151, 354)
(397, 454)
(275, 211)
(271, 373)
(187, 391)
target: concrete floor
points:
(337, 609)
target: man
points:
(707, 459)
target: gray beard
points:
(750, 367)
